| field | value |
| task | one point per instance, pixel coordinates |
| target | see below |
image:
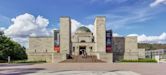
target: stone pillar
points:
(65, 35)
(131, 49)
(100, 34)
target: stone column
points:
(100, 34)
(65, 35)
(131, 49)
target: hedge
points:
(140, 60)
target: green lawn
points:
(23, 61)
(141, 60)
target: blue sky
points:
(124, 17)
(81, 9)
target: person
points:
(84, 53)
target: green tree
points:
(151, 46)
(11, 48)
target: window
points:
(92, 40)
(90, 49)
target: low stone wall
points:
(52, 57)
(107, 57)
(39, 57)
(48, 57)
(131, 56)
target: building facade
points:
(126, 48)
(83, 44)
(159, 52)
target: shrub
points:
(140, 60)
(11, 48)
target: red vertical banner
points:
(57, 49)
(109, 41)
(56, 41)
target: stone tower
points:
(65, 35)
(100, 34)
(131, 48)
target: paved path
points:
(87, 73)
(84, 69)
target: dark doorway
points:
(82, 40)
(82, 50)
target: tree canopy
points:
(151, 46)
(11, 48)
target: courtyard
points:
(84, 69)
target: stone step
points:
(81, 59)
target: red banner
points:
(57, 49)
(109, 49)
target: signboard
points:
(109, 41)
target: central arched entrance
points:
(82, 50)
(82, 55)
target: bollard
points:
(8, 59)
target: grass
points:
(141, 60)
(26, 61)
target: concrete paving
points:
(84, 69)
(87, 73)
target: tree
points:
(1, 32)
(151, 46)
(11, 48)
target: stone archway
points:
(82, 50)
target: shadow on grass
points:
(20, 63)
(15, 64)
(20, 71)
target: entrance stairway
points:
(81, 59)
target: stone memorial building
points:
(83, 45)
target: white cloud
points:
(133, 35)
(75, 24)
(157, 2)
(151, 39)
(2, 28)
(22, 41)
(26, 25)
(123, 17)
(141, 38)
(90, 26)
(116, 35)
